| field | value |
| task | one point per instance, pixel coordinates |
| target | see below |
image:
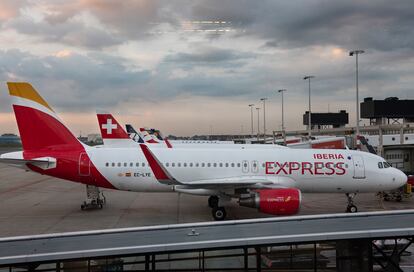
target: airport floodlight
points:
(251, 117)
(356, 53)
(310, 114)
(258, 122)
(283, 119)
(264, 117)
(308, 77)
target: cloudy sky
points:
(192, 67)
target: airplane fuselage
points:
(307, 170)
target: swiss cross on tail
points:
(160, 173)
(110, 129)
(109, 126)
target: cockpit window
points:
(386, 165)
(380, 165)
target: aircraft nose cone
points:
(401, 178)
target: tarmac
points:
(34, 204)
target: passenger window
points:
(131, 164)
(107, 164)
(208, 164)
(221, 164)
(215, 164)
(179, 164)
(191, 164)
(227, 164)
(119, 164)
(167, 164)
(232, 164)
(113, 164)
(137, 164)
(143, 164)
(172, 164)
(238, 164)
(203, 164)
(185, 164)
(196, 165)
(380, 165)
(125, 164)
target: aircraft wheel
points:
(352, 209)
(219, 213)
(213, 201)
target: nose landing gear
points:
(219, 213)
(351, 208)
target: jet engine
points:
(274, 201)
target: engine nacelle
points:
(274, 201)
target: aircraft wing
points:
(163, 176)
(234, 181)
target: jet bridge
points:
(337, 242)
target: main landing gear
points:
(94, 198)
(351, 208)
(219, 213)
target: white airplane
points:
(271, 180)
(119, 137)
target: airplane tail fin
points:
(133, 134)
(148, 138)
(130, 129)
(110, 128)
(113, 134)
(39, 126)
(158, 135)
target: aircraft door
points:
(245, 166)
(255, 166)
(84, 164)
(359, 167)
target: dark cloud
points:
(378, 25)
(128, 19)
(210, 56)
(289, 30)
(75, 81)
(72, 33)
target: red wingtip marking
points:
(110, 128)
(159, 173)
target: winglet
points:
(161, 174)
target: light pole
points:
(310, 112)
(258, 123)
(283, 119)
(356, 53)
(251, 117)
(264, 117)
